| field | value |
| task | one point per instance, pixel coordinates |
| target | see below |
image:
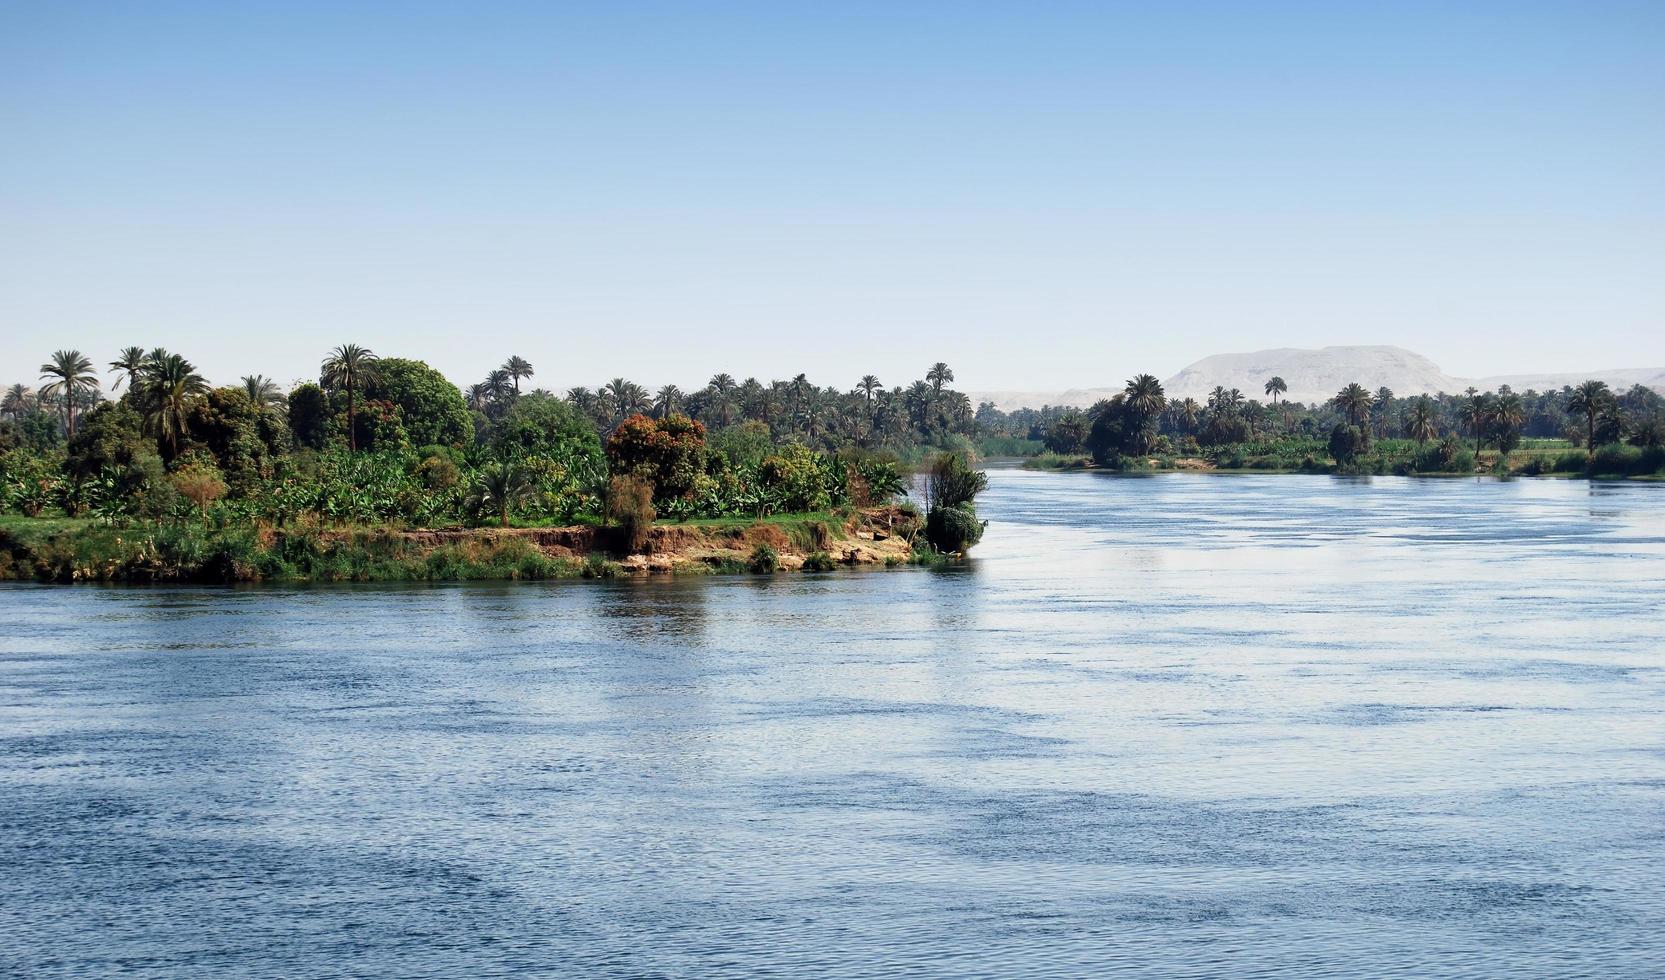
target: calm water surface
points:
(1180, 725)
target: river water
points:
(1181, 725)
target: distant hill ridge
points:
(1316, 375)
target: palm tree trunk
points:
(352, 423)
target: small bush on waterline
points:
(819, 561)
(763, 559)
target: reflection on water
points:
(1169, 725)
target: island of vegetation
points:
(384, 470)
(1586, 430)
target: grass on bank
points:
(1402, 457)
(65, 549)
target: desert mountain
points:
(1316, 375)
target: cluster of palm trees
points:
(501, 386)
(1227, 416)
(869, 413)
(162, 386)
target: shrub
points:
(630, 505)
(819, 561)
(952, 482)
(951, 525)
(498, 490)
(953, 529)
(763, 559)
(794, 477)
(1347, 443)
(200, 483)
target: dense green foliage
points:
(1356, 431)
(951, 489)
(385, 441)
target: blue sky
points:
(1045, 195)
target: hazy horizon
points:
(1045, 198)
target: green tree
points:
(309, 415)
(262, 392)
(624, 398)
(128, 364)
(72, 374)
(1276, 386)
(499, 488)
(1355, 402)
(543, 425)
(245, 439)
(1145, 402)
(347, 368)
(1506, 416)
(1590, 399)
(668, 401)
(1189, 412)
(1475, 414)
(167, 388)
(517, 367)
(939, 375)
(1420, 420)
(18, 401)
(431, 408)
(723, 399)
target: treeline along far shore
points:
(145, 470)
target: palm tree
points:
(1419, 420)
(1145, 396)
(518, 367)
(939, 375)
(262, 391)
(74, 374)
(1384, 401)
(477, 397)
(1275, 387)
(753, 404)
(1590, 399)
(798, 385)
(722, 388)
(867, 385)
(667, 401)
(918, 400)
(127, 363)
(625, 397)
(166, 388)
(1189, 412)
(18, 400)
(1507, 415)
(500, 487)
(349, 366)
(1354, 401)
(499, 386)
(1475, 414)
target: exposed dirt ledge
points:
(871, 536)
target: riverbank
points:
(1609, 463)
(85, 550)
